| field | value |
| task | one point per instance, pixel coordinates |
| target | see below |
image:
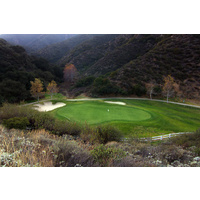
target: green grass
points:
(138, 118)
(97, 112)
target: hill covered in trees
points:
(113, 64)
(123, 64)
(17, 69)
(177, 55)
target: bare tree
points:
(150, 88)
(168, 87)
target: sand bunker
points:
(47, 106)
(116, 102)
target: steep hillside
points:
(56, 51)
(118, 64)
(128, 62)
(106, 53)
(89, 52)
(32, 42)
(17, 69)
(177, 55)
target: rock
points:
(193, 163)
(177, 163)
(77, 165)
(157, 162)
(196, 159)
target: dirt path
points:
(93, 99)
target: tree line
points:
(169, 88)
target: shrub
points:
(16, 122)
(172, 153)
(139, 90)
(39, 120)
(103, 86)
(105, 156)
(43, 120)
(69, 154)
(89, 134)
(108, 133)
(100, 134)
(85, 81)
(11, 110)
(188, 140)
(61, 128)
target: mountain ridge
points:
(33, 42)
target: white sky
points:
(105, 16)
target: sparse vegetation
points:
(39, 148)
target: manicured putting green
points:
(100, 112)
(138, 117)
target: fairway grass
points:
(137, 118)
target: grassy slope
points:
(134, 119)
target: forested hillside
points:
(17, 69)
(177, 55)
(113, 64)
(125, 63)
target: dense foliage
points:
(17, 69)
(127, 61)
(175, 55)
(16, 122)
(131, 61)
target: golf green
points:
(137, 118)
(96, 112)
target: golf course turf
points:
(136, 118)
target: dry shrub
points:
(17, 150)
(170, 153)
(100, 135)
(88, 134)
(105, 156)
(40, 148)
(11, 110)
(36, 120)
(69, 154)
(70, 128)
(188, 140)
(129, 161)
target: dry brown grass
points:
(40, 148)
(18, 149)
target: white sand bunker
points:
(116, 102)
(47, 106)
